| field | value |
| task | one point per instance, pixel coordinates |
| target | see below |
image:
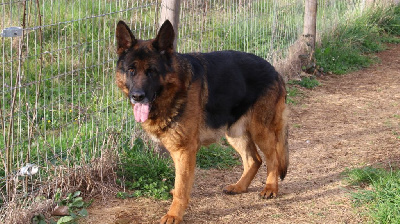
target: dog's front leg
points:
(185, 162)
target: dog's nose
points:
(137, 95)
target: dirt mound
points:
(349, 121)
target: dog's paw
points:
(170, 219)
(268, 194)
(233, 189)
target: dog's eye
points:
(150, 72)
(131, 72)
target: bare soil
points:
(349, 121)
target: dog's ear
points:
(164, 41)
(124, 36)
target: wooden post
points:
(310, 23)
(170, 10)
(369, 3)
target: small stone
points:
(60, 211)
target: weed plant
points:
(73, 203)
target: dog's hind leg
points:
(269, 132)
(251, 162)
(267, 145)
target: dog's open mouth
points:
(141, 111)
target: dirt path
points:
(349, 121)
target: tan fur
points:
(120, 80)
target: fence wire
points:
(58, 99)
(260, 27)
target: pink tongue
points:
(141, 112)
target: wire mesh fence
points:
(59, 105)
(58, 99)
(260, 27)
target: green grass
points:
(145, 172)
(382, 197)
(219, 156)
(389, 20)
(349, 46)
(292, 94)
(306, 82)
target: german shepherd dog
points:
(184, 101)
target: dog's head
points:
(142, 66)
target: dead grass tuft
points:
(95, 178)
(17, 212)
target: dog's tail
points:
(282, 147)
